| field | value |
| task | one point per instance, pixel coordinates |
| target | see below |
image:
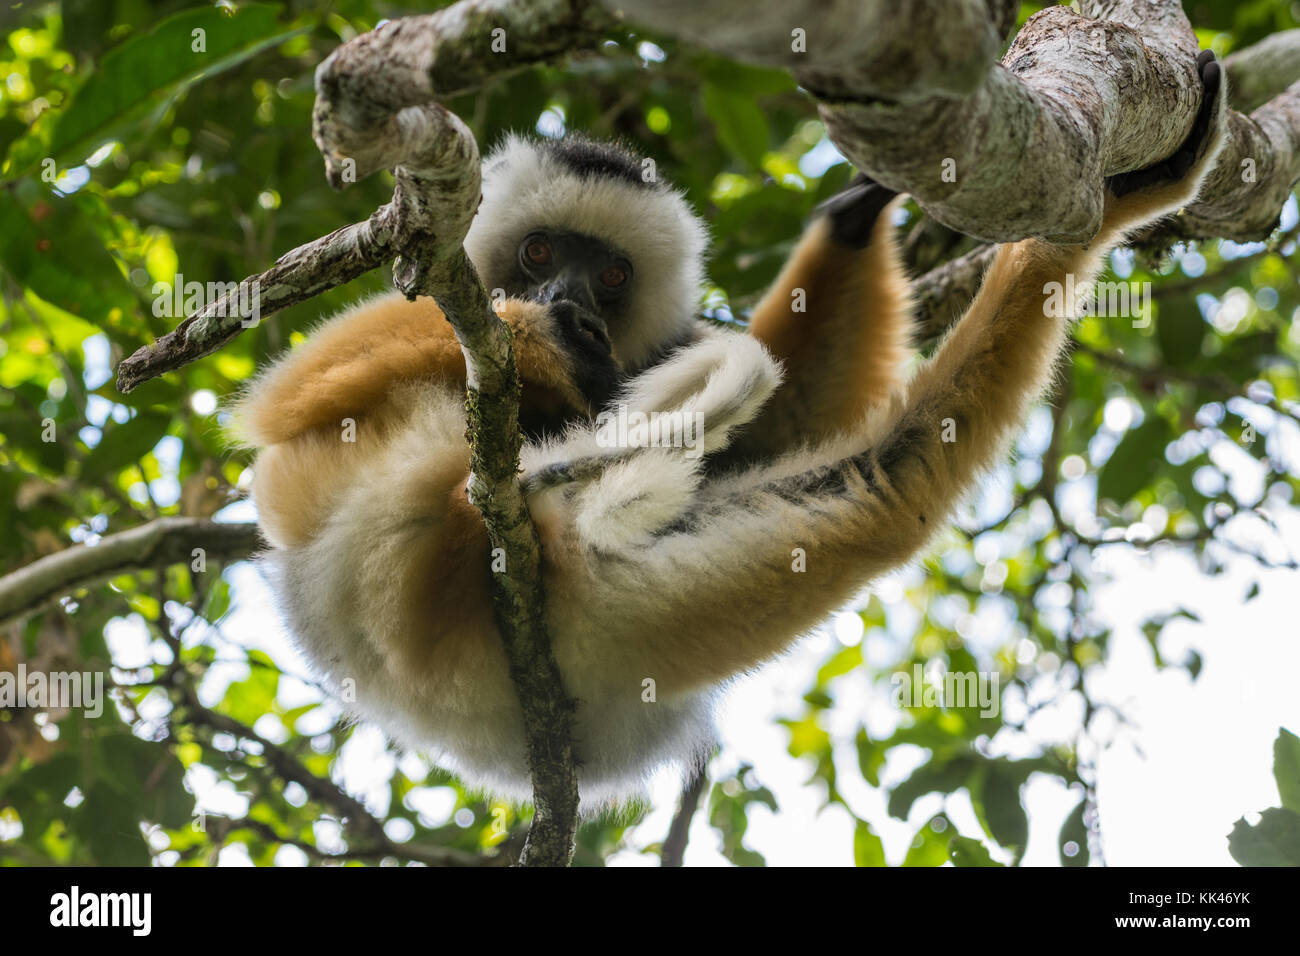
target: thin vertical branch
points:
(674, 849)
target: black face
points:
(556, 266)
(585, 283)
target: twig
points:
(325, 792)
(674, 848)
(1229, 267)
(159, 542)
(301, 274)
(428, 855)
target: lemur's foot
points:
(1174, 168)
(854, 210)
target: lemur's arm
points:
(321, 414)
(347, 368)
(837, 317)
(769, 554)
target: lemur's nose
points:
(568, 285)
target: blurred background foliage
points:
(130, 159)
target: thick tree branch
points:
(997, 152)
(408, 62)
(1258, 167)
(899, 113)
(1258, 73)
(1005, 151)
(943, 293)
(845, 49)
(160, 542)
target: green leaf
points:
(996, 798)
(844, 661)
(818, 700)
(146, 67)
(833, 180)
(744, 856)
(218, 602)
(1151, 630)
(11, 127)
(729, 816)
(1274, 841)
(253, 697)
(67, 331)
(739, 122)
(942, 776)
(1154, 626)
(1180, 328)
(1134, 461)
(1286, 768)
(38, 791)
(867, 848)
(965, 851)
(740, 77)
(125, 444)
(149, 777)
(108, 823)
(807, 738)
(50, 246)
(930, 845)
(1074, 831)
(871, 757)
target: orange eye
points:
(613, 276)
(538, 252)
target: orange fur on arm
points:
(854, 518)
(837, 318)
(799, 547)
(348, 366)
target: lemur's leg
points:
(757, 566)
(838, 319)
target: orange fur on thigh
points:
(348, 367)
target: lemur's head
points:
(579, 220)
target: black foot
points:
(854, 210)
(1176, 166)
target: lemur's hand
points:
(585, 340)
(854, 210)
(1175, 167)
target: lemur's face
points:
(589, 230)
(556, 265)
